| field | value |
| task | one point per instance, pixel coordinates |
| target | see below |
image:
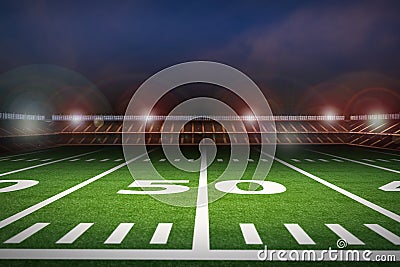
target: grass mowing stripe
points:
(50, 200)
(47, 163)
(356, 161)
(361, 200)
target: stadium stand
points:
(32, 132)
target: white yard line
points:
(356, 161)
(344, 234)
(201, 236)
(28, 153)
(54, 198)
(299, 234)
(250, 234)
(28, 232)
(338, 189)
(75, 233)
(161, 234)
(47, 163)
(119, 234)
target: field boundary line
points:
(47, 163)
(338, 189)
(58, 196)
(28, 153)
(356, 161)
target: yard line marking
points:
(369, 160)
(264, 160)
(250, 234)
(250, 160)
(337, 160)
(359, 162)
(50, 200)
(46, 163)
(171, 254)
(146, 160)
(342, 233)
(383, 160)
(32, 159)
(323, 160)
(28, 153)
(118, 160)
(72, 160)
(299, 234)
(190, 160)
(44, 160)
(385, 233)
(89, 160)
(360, 200)
(309, 160)
(220, 160)
(28, 232)
(161, 234)
(296, 160)
(386, 153)
(396, 159)
(104, 160)
(3, 159)
(162, 160)
(74, 234)
(177, 160)
(201, 235)
(119, 234)
(15, 160)
(235, 160)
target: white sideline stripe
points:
(28, 232)
(250, 160)
(383, 160)
(146, 160)
(337, 160)
(235, 160)
(177, 160)
(342, 233)
(74, 160)
(299, 234)
(309, 160)
(15, 160)
(264, 160)
(170, 254)
(323, 160)
(365, 202)
(359, 162)
(32, 159)
(103, 160)
(220, 160)
(46, 159)
(250, 234)
(163, 160)
(190, 160)
(296, 160)
(201, 235)
(50, 200)
(119, 233)
(385, 233)
(46, 163)
(396, 159)
(118, 160)
(74, 234)
(161, 234)
(88, 160)
(369, 160)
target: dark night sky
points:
(307, 56)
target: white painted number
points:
(268, 187)
(18, 185)
(391, 187)
(166, 186)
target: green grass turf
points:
(305, 202)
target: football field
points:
(81, 203)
